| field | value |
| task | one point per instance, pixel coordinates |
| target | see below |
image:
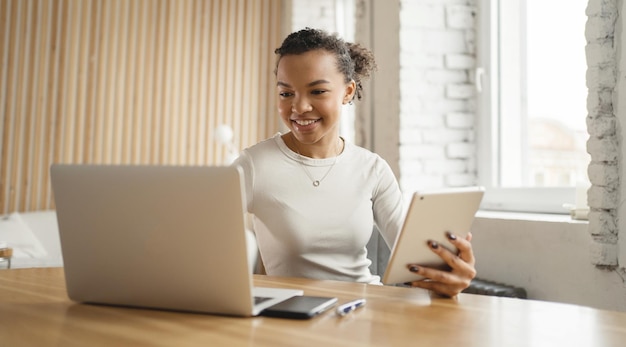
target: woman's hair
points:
(354, 61)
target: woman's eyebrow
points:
(314, 83)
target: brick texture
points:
(603, 143)
(437, 102)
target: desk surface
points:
(35, 311)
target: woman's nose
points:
(300, 106)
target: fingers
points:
(439, 288)
(443, 282)
(462, 260)
(464, 247)
(435, 275)
(462, 271)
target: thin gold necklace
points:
(316, 183)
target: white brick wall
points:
(620, 112)
(437, 114)
(460, 61)
(603, 143)
(318, 14)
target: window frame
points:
(490, 139)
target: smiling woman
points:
(312, 82)
(321, 230)
(310, 88)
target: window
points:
(532, 104)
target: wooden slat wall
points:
(129, 82)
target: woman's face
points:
(311, 91)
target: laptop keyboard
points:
(260, 299)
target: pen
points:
(348, 307)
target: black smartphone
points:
(300, 307)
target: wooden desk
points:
(35, 311)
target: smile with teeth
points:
(305, 122)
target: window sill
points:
(525, 216)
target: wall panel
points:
(129, 82)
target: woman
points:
(315, 197)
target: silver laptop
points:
(165, 237)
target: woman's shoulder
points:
(360, 150)
(366, 160)
(363, 154)
(267, 153)
(265, 147)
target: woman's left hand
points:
(462, 271)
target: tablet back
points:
(430, 215)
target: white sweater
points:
(319, 232)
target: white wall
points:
(619, 105)
(547, 255)
(438, 99)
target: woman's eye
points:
(318, 92)
(285, 94)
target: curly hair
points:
(354, 61)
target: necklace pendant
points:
(316, 183)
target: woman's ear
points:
(350, 90)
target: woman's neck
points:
(318, 150)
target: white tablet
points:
(430, 215)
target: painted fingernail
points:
(414, 268)
(450, 236)
(433, 244)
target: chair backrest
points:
(378, 252)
